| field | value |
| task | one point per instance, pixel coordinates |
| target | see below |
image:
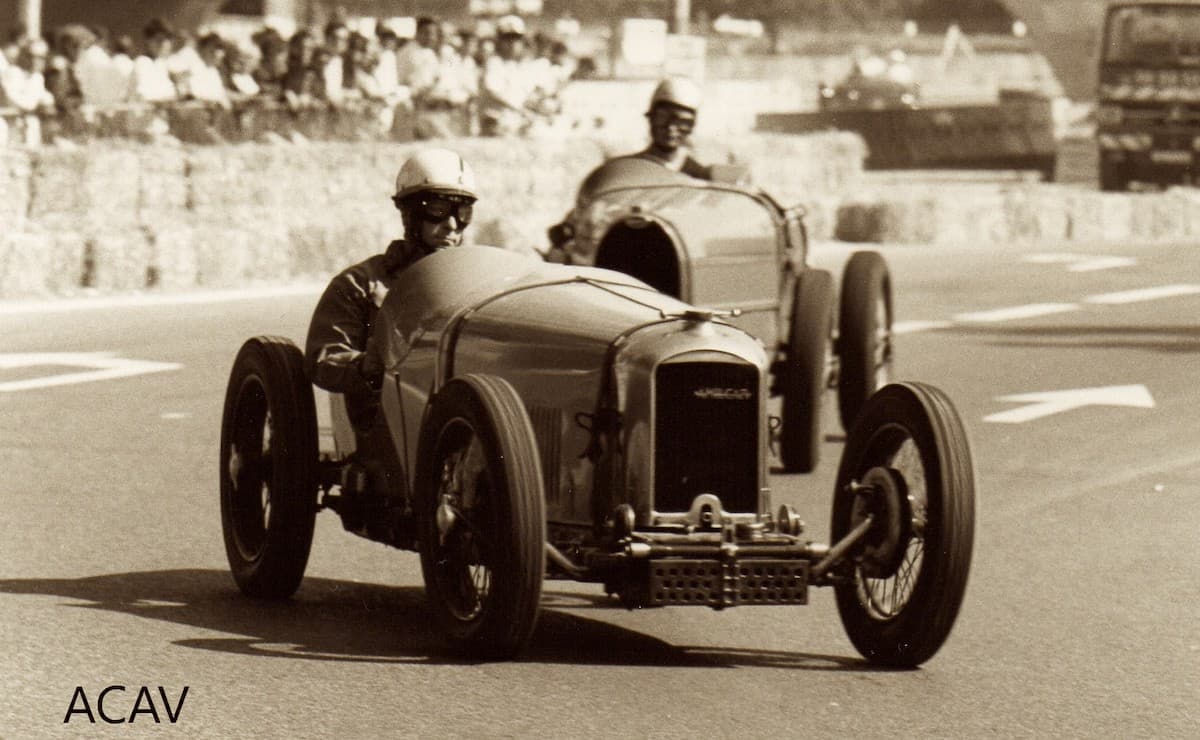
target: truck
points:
(1148, 100)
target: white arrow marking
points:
(1144, 294)
(103, 367)
(1056, 402)
(1079, 262)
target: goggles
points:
(437, 209)
(680, 120)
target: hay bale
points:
(40, 263)
(117, 260)
(16, 169)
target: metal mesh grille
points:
(706, 435)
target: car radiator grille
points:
(706, 435)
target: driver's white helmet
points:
(677, 91)
(435, 170)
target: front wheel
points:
(481, 515)
(907, 464)
(268, 468)
(864, 333)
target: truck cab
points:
(1148, 101)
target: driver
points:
(435, 194)
(672, 116)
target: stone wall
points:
(123, 216)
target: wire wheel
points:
(268, 468)
(463, 551)
(907, 465)
(481, 513)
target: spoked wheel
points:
(864, 333)
(268, 468)
(907, 464)
(480, 503)
(803, 381)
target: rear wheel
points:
(907, 464)
(268, 468)
(864, 333)
(480, 505)
(803, 380)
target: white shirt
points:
(207, 85)
(23, 89)
(152, 80)
(334, 77)
(100, 81)
(417, 67)
(386, 72)
(509, 83)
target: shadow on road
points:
(358, 622)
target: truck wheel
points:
(803, 380)
(268, 468)
(480, 505)
(907, 462)
(864, 343)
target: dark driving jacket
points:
(342, 322)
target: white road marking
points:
(172, 415)
(1013, 313)
(103, 366)
(913, 327)
(1055, 402)
(1143, 294)
(57, 305)
(1079, 262)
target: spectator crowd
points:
(496, 81)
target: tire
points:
(483, 573)
(899, 591)
(803, 380)
(864, 343)
(268, 468)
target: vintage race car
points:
(733, 248)
(569, 422)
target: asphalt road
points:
(1079, 620)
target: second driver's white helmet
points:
(678, 91)
(436, 171)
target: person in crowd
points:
(386, 72)
(242, 61)
(272, 61)
(332, 61)
(60, 71)
(184, 62)
(358, 79)
(100, 82)
(435, 195)
(554, 70)
(441, 106)
(152, 81)
(23, 86)
(122, 56)
(12, 45)
(207, 83)
(510, 80)
(417, 62)
(302, 84)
